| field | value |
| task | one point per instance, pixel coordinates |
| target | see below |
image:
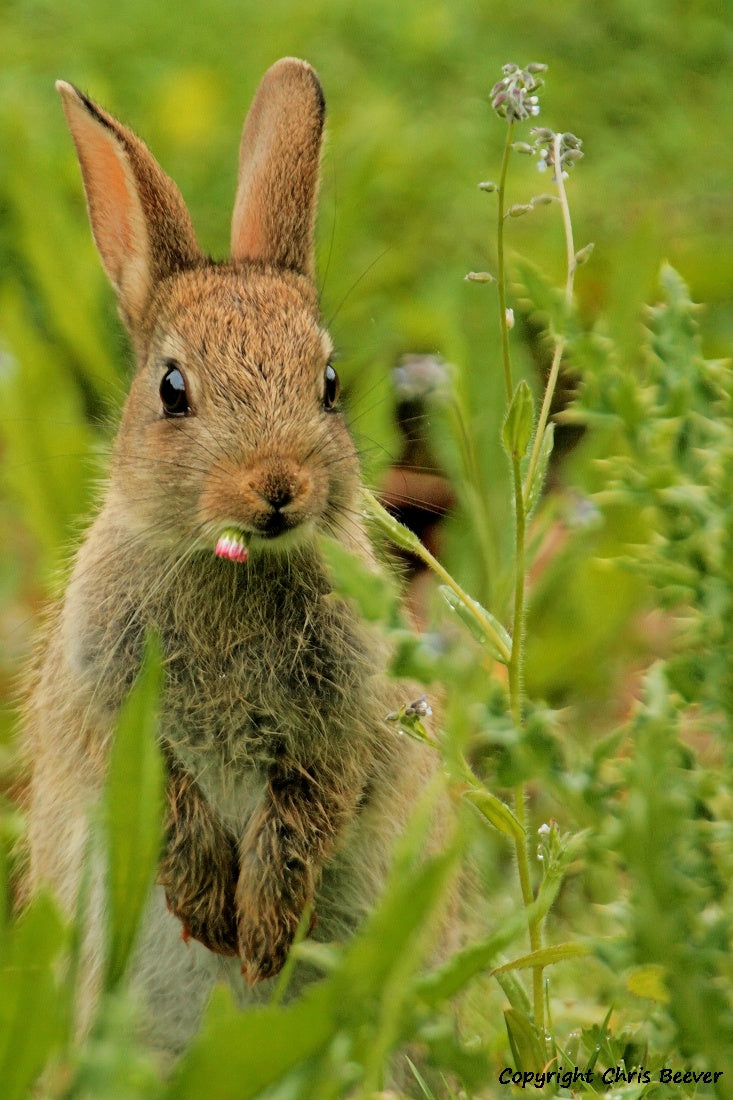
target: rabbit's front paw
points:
(199, 869)
(270, 908)
(205, 911)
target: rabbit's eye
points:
(173, 391)
(330, 387)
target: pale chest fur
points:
(262, 664)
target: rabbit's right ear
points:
(141, 227)
(279, 162)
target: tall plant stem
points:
(516, 673)
(500, 267)
(516, 658)
(560, 340)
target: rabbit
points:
(286, 786)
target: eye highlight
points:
(173, 395)
(331, 388)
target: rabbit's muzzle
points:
(267, 500)
(279, 498)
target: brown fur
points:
(286, 787)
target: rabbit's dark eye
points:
(330, 387)
(173, 391)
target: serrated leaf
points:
(133, 811)
(534, 488)
(518, 423)
(546, 956)
(499, 642)
(496, 812)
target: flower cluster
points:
(568, 147)
(514, 96)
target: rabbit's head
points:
(231, 433)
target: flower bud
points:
(584, 254)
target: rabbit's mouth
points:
(233, 544)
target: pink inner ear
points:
(110, 203)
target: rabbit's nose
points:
(277, 488)
(278, 496)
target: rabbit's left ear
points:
(275, 208)
(140, 223)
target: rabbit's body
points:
(286, 786)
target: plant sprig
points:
(515, 99)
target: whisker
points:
(356, 283)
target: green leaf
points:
(238, 1054)
(133, 811)
(601, 1037)
(514, 991)
(413, 893)
(534, 488)
(518, 423)
(464, 965)
(414, 657)
(547, 301)
(424, 1087)
(545, 957)
(372, 591)
(496, 812)
(524, 1040)
(649, 981)
(32, 1006)
(394, 530)
(482, 633)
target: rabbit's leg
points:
(281, 858)
(199, 868)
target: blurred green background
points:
(410, 133)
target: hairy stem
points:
(521, 844)
(516, 658)
(560, 339)
(500, 268)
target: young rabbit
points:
(285, 785)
